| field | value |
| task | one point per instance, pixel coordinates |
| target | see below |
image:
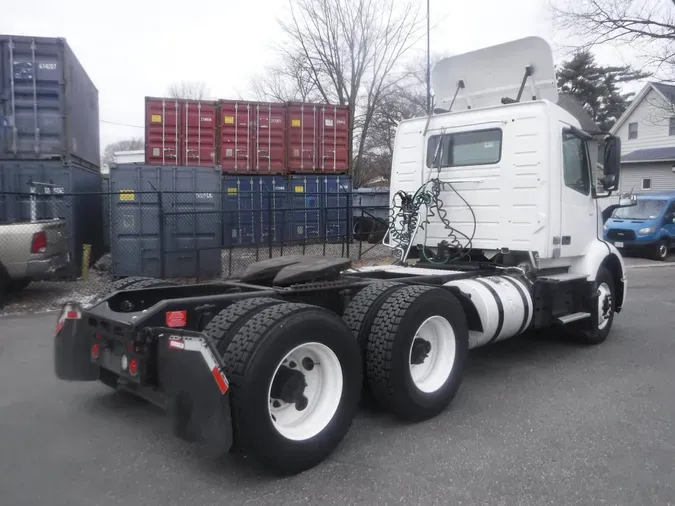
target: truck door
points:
(578, 211)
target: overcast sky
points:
(131, 49)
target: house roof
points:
(666, 91)
(650, 155)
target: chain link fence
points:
(60, 247)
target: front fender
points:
(604, 254)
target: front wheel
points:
(596, 332)
(661, 251)
(295, 383)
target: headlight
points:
(605, 228)
(646, 231)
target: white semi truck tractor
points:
(496, 227)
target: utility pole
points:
(428, 59)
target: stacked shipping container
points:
(49, 140)
(284, 165)
(256, 138)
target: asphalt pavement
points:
(537, 421)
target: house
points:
(647, 132)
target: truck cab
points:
(647, 228)
(515, 169)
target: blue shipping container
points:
(306, 205)
(188, 228)
(67, 191)
(48, 103)
(336, 194)
(253, 209)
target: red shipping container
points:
(180, 132)
(334, 138)
(162, 131)
(199, 126)
(252, 137)
(318, 138)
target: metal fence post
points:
(160, 217)
(270, 222)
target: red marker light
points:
(95, 350)
(133, 367)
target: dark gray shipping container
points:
(48, 104)
(67, 191)
(174, 209)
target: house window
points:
(671, 126)
(646, 183)
(632, 130)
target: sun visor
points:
(485, 77)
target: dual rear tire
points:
(415, 343)
(296, 371)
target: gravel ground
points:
(46, 296)
(537, 421)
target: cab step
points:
(562, 278)
(573, 317)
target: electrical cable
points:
(406, 210)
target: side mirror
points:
(612, 163)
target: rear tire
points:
(416, 352)
(253, 364)
(226, 323)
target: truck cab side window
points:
(576, 171)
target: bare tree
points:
(647, 26)
(189, 90)
(287, 81)
(123, 145)
(346, 52)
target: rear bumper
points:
(48, 267)
(178, 370)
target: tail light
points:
(39, 244)
(69, 312)
(95, 350)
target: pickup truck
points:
(647, 228)
(31, 251)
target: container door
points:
(199, 133)
(162, 131)
(336, 193)
(270, 139)
(302, 153)
(235, 144)
(193, 227)
(135, 220)
(32, 101)
(334, 138)
(238, 228)
(306, 203)
(273, 204)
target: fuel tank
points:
(503, 304)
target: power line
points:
(120, 124)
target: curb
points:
(649, 266)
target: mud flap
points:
(72, 359)
(191, 372)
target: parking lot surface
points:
(537, 421)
